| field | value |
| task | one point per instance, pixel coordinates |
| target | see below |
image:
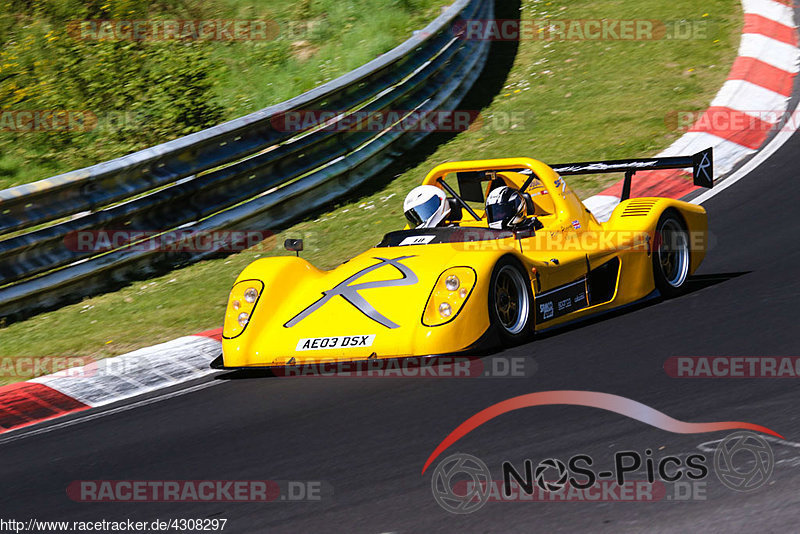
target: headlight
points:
(241, 303)
(450, 293)
(251, 294)
(452, 282)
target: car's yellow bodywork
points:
(385, 302)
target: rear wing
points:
(702, 165)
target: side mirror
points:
(293, 245)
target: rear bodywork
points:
(384, 302)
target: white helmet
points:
(505, 208)
(426, 206)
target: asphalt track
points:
(368, 438)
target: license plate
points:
(336, 342)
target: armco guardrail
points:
(241, 174)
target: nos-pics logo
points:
(462, 483)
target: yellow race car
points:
(466, 283)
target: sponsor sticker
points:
(561, 301)
(336, 342)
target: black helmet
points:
(505, 208)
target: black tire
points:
(671, 254)
(510, 301)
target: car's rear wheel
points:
(510, 301)
(671, 256)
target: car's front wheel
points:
(671, 256)
(510, 301)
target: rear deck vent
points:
(638, 208)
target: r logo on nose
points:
(351, 292)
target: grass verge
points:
(572, 100)
(144, 93)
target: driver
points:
(426, 206)
(506, 209)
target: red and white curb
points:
(759, 85)
(108, 380)
(750, 103)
